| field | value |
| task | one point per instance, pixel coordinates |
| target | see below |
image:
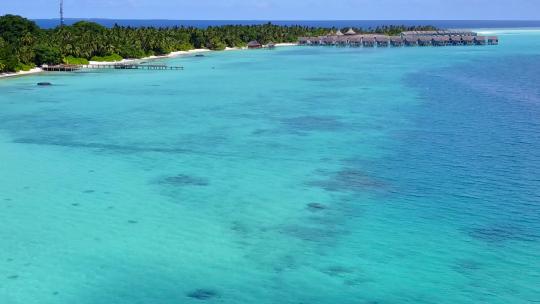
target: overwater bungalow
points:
(382, 41)
(342, 41)
(425, 40)
(456, 40)
(418, 33)
(480, 40)
(368, 41)
(441, 40)
(254, 45)
(410, 41)
(493, 40)
(439, 33)
(467, 40)
(329, 40)
(421, 38)
(355, 41)
(396, 41)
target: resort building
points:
(439, 33)
(396, 41)
(493, 40)
(412, 38)
(480, 40)
(254, 45)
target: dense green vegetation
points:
(24, 45)
(74, 60)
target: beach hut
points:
(396, 41)
(339, 33)
(350, 32)
(254, 45)
(493, 40)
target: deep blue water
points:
(50, 23)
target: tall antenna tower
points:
(61, 12)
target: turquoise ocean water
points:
(299, 175)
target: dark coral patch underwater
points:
(203, 294)
(184, 180)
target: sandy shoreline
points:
(21, 73)
(171, 55)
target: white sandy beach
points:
(170, 55)
(21, 73)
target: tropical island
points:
(24, 45)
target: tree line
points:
(24, 45)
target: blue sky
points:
(279, 9)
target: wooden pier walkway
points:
(132, 66)
(115, 66)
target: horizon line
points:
(166, 19)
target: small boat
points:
(199, 55)
(43, 84)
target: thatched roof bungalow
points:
(368, 41)
(425, 40)
(410, 40)
(355, 40)
(342, 40)
(396, 41)
(329, 40)
(439, 33)
(382, 40)
(467, 40)
(480, 40)
(493, 40)
(441, 40)
(350, 32)
(456, 40)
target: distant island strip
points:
(406, 38)
(24, 46)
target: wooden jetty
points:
(61, 68)
(116, 66)
(132, 66)
(414, 38)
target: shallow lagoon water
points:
(299, 175)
